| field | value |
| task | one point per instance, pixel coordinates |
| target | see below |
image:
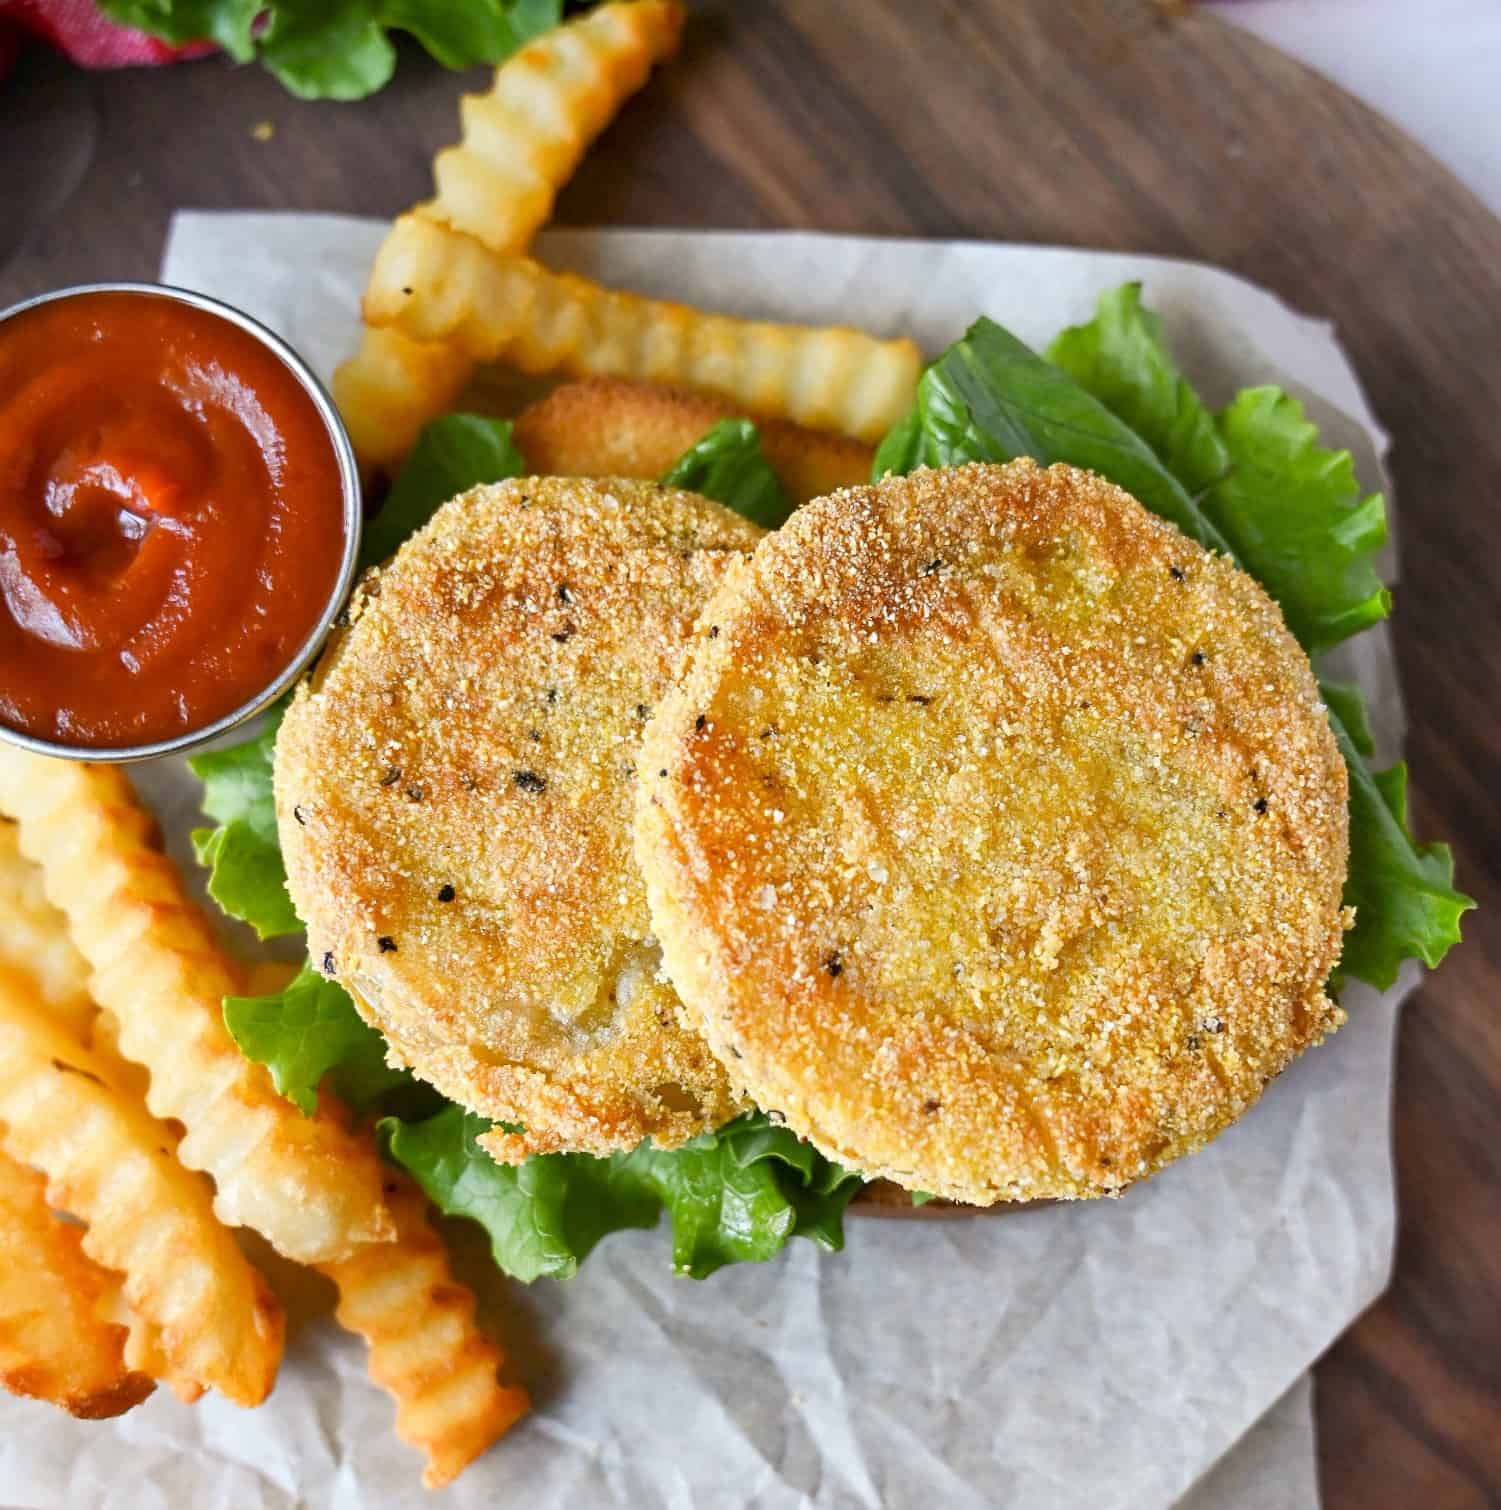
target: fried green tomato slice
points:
(995, 834)
(454, 796)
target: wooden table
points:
(1116, 125)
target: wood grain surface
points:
(1117, 125)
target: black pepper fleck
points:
(713, 631)
(1197, 658)
(930, 1107)
(834, 965)
(529, 781)
(552, 694)
(1195, 1042)
(663, 771)
(300, 816)
(386, 943)
(564, 596)
(935, 565)
(328, 963)
(392, 776)
(445, 893)
(564, 634)
(919, 699)
(535, 735)
(1178, 574)
(1259, 805)
(406, 291)
(642, 712)
(415, 793)
(699, 722)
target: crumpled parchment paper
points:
(1125, 1353)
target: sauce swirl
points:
(171, 518)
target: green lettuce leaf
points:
(451, 455)
(309, 1031)
(1290, 510)
(334, 50)
(339, 49)
(1347, 705)
(228, 23)
(246, 876)
(729, 466)
(1253, 477)
(991, 398)
(734, 1196)
(1120, 358)
(1403, 893)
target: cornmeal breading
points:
(995, 834)
(454, 799)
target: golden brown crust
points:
(1001, 835)
(454, 798)
(53, 1343)
(610, 427)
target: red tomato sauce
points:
(171, 518)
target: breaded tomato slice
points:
(995, 834)
(454, 799)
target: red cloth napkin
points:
(78, 30)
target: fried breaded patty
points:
(995, 834)
(454, 796)
(609, 427)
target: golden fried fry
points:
(125, 1075)
(110, 1164)
(144, 1352)
(425, 1348)
(307, 1185)
(525, 135)
(53, 1344)
(436, 284)
(390, 388)
(612, 428)
(522, 140)
(34, 937)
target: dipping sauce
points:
(171, 518)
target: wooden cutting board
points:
(1106, 123)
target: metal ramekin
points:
(349, 483)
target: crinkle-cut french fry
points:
(609, 427)
(435, 284)
(111, 1165)
(144, 1351)
(425, 1349)
(522, 140)
(125, 1075)
(54, 1343)
(307, 1185)
(34, 937)
(524, 136)
(390, 388)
